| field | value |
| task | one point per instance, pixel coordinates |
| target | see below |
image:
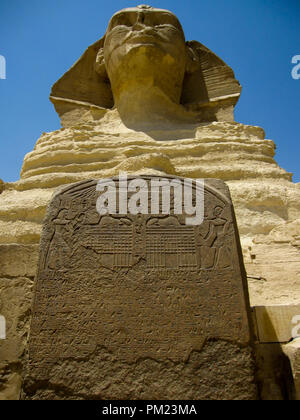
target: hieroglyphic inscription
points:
(137, 285)
(171, 248)
(115, 245)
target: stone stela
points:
(145, 298)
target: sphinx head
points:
(144, 67)
(144, 48)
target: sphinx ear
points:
(192, 59)
(100, 67)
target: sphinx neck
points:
(148, 107)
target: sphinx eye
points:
(163, 20)
(121, 19)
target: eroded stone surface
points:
(15, 306)
(146, 69)
(118, 294)
(292, 350)
(96, 143)
(276, 324)
(205, 375)
(17, 270)
(267, 203)
(18, 261)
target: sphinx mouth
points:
(144, 37)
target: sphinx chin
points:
(144, 70)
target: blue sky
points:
(42, 39)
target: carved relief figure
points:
(59, 250)
(156, 241)
(214, 252)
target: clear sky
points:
(41, 39)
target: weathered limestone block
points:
(267, 203)
(179, 122)
(10, 381)
(15, 307)
(277, 323)
(21, 215)
(274, 375)
(18, 260)
(292, 350)
(231, 151)
(18, 265)
(274, 280)
(140, 306)
(154, 78)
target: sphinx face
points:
(141, 42)
(136, 27)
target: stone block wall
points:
(17, 272)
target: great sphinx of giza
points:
(145, 69)
(142, 100)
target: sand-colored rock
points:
(267, 203)
(22, 264)
(145, 68)
(17, 271)
(277, 323)
(150, 127)
(292, 350)
(230, 151)
(15, 306)
(103, 283)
